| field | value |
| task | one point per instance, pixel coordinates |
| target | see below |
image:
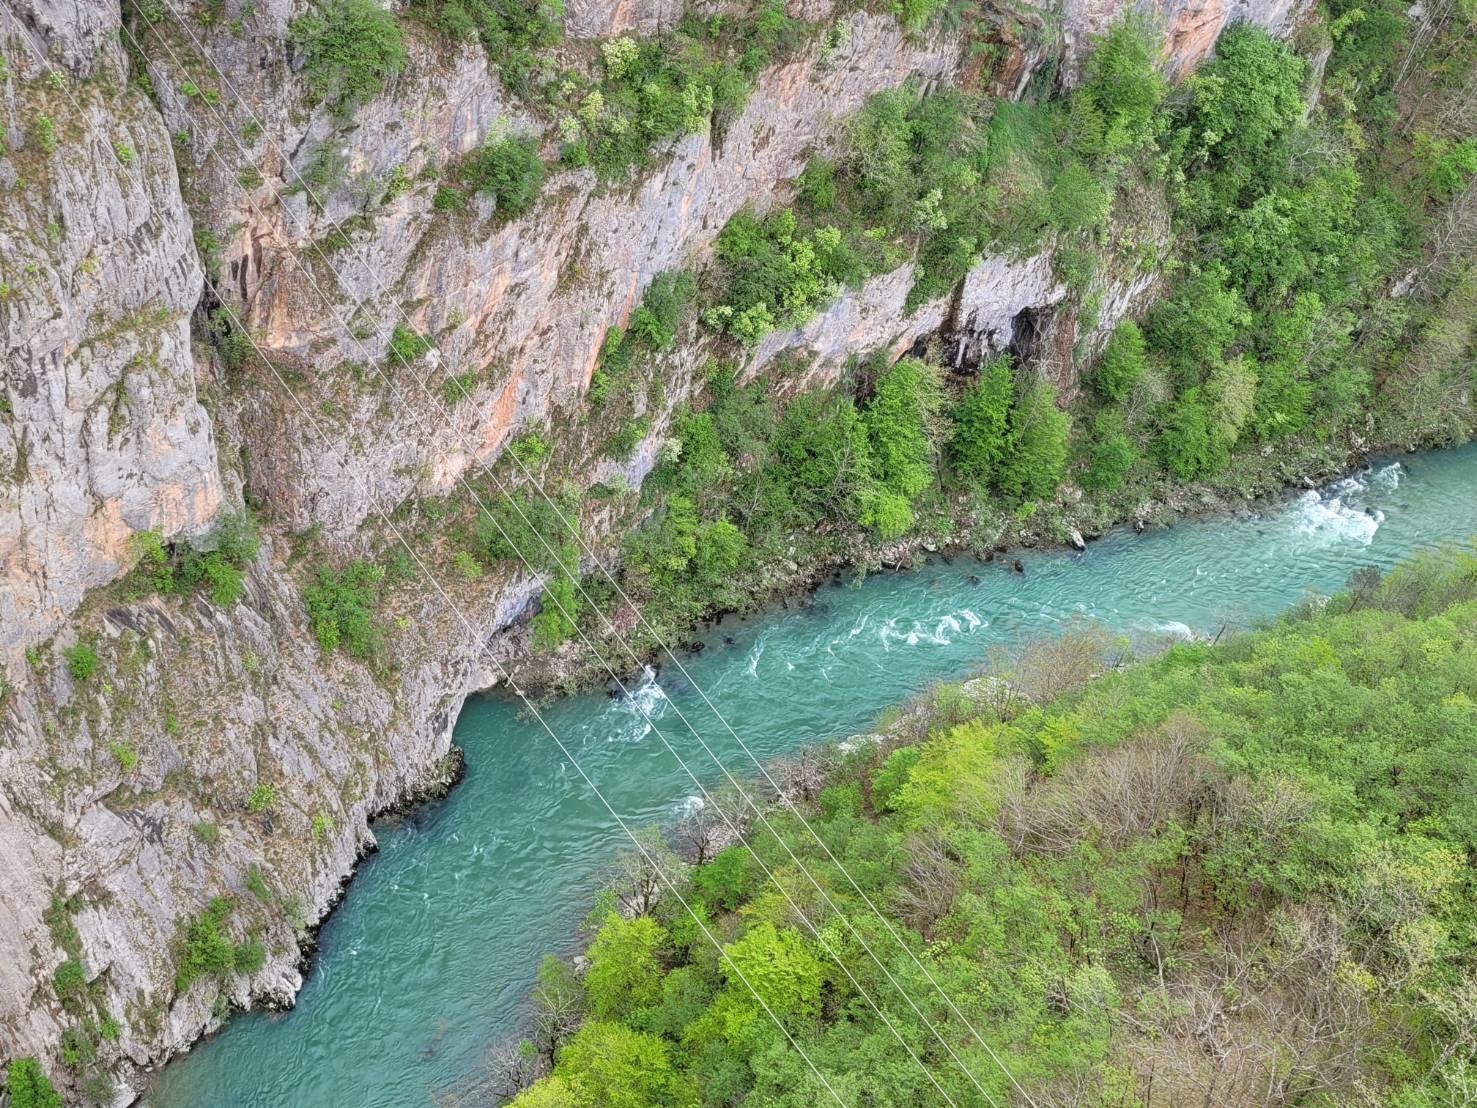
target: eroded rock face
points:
(105, 436)
(532, 298)
(78, 36)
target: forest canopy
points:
(1230, 874)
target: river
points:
(429, 957)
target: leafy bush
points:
(559, 608)
(262, 797)
(205, 949)
(1122, 363)
(341, 607)
(1036, 456)
(28, 1085)
(350, 49)
(655, 319)
(1108, 453)
(625, 971)
(406, 345)
(980, 423)
(218, 559)
(1116, 108)
(1185, 445)
(510, 171)
(1193, 327)
(45, 129)
(81, 661)
(772, 274)
(523, 526)
(902, 431)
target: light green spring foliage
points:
(981, 422)
(28, 1085)
(901, 419)
(350, 50)
(1279, 825)
(341, 606)
(1036, 449)
(217, 561)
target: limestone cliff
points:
(128, 796)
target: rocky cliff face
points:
(126, 795)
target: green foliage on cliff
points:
(1270, 836)
(511, 31)
(217, 560)
(206, 950)
(341, 606)
(28, 1085)
(81, 660)
(350, 50)
(509, 170)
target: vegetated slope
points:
(1276, 347)
(1233, 874)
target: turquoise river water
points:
(428, 959)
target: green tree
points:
(341, 607)
(625, 971)
(723, 882)
(1186, 445)
(1193, 327)
(28, 1085)
(1036, 453)
(780, 966)
(981, 423)
(619, 1067)
(1108, 453)
(901, 423)
(554, 1091)
(350, 49)
(1123, 361)
(510, 171)
(1123, 87)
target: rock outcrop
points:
(105, 435)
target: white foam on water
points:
(974, 621)
(687, 806)
(1387, 478)
(1176, 628)
(754, 655)
(645, 703)
(1328, 518)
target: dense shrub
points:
(555, 621)
(771, 273)
(206, 950)
(510, 171)
(218, 560)
(1122, 362)
(341, 606)
(1108, 453)
(350, 49)
(902, 426)
(81, 660)
(1116, 108)
(655, 319)
(28, 1085)
(1036, 453)
(980, 423)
